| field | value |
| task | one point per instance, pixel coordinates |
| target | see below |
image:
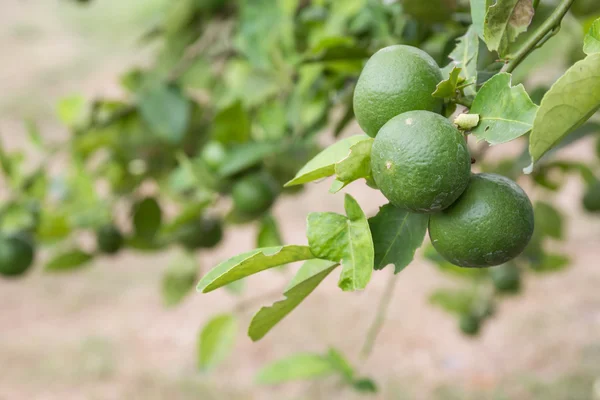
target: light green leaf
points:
(147, 218)
(231, 124)
(397, 234)
(323, 164)
(346, 240)
(268, 233)
(179, 279)
(505, 112)
(478, 10)
(310, 275)
(591, 42)
(216, 340)
(72, 110)
(68, 261)
(571, 101)
(452, 300)
(336, 186)
(548, 220)
(504, 21)
(166, 111)
(33, 132)
(250, 263)
(464, 56)
(357, 164)
(297, 367)
(446, 89)
(245, 156)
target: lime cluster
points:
(420, 162)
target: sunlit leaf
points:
(68, 261)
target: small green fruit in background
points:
(490, 224)
(253, 194)
(109, 239)
(395, 80)
(16, 255)
(420, 162)
(506, 278)
(206, 232)
(214, 154)
(469, 324)
(591, 199)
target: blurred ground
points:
(104, 334)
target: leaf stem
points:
(377, 323)
(549, 28)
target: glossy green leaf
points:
(179, 279)
(505, 112)
(68, 261)
(250, 263)
(297, 367)
(397, 234)
(346, 240)
(147, 218)
(504, 21)
(268, 233)
(33, 132)
(166, 111)
(446, 89)
(310, 275)
(571, 101)
(216, 341)
(365, 385)
(323, 164)
(231, 124)
(479, 9)
(591, 42)
(357, 164)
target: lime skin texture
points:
(395, 80)
(420, 162)
(490, 224)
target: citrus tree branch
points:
(377, 323)
(549, 28)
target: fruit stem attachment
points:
(549, 28)
(377, 323)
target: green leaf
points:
(72, 110)
(548, 220)
(268, 233)
(345, 240)
(465, 56)
(323, 164)
(397, 234)
(179, 279)
(297, 367)
(446, 89)
(571, 101)
(147, 218)
(166, 110)
(551, 262)
(505, 112)
(231, 124)
(245, 156)
(479, 9)
(216, 340)
(357, 164)
(68, 261)
(453, 301)
(341, 364)
(310, 275)
(33, 132)
(504, 21)
(591, 42)
(250, 263)
(365, 385)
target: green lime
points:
(469, 324)
(420, 161)
(591, 199)
(506, 278)
(214, 154)
(206, 232)
(430, 11)
(395, 80)
(16, 255)
(109, 239)
(490, 224)
(253, 194)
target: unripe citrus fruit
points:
(395, 80)
(109, 239)
(469, 324)
(506, 278)
(591, 199)
(420, 161)
(207, 232)
(16, 255)
(253, 194)
(490, 224)
(214, 154)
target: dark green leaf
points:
(345, 240)
(310, 275)
(250, 263)
(166, 110)
(365, 385)
(147, 218)
(68, 261)
(505, 112)
(231, 124)
(397, 234)
(296, 367)
(551, 262)
(216, 340)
